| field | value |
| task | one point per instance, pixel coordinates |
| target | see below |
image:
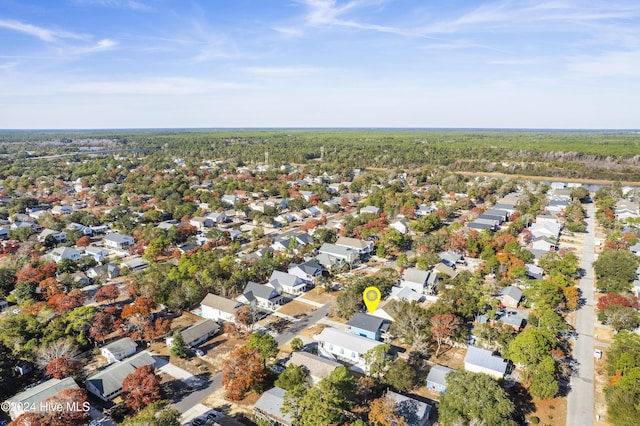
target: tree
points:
(292, 376)
(74, 408)
(108, 293)
(67, 266)
(101, 326)
(62, 367)
(401, 376)
(377, 360)
(296, 344)
(612, 299)
(326, 402)
(474, 397)
(615, 270)
(49, 287)
(572, 294)
(59, 349)
(544, 383)
(178, 346)
(154, 414)
(7, 281)
(83, 241)
(620, 317)
(383, 412)
(443, 327)
(411, 321)
(242, 371)
(141, 388)
(159, 328)
(67, 302)
(264, 343)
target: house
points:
(118, 350)
(510, 296)
(98, 253)
(341, 253)
(217, 218)
(402, 226)
(229, 199)
(419, 281)
(219, 308)
(118, 242)
(545, 244)
(201, 223)
(4, 305)
(424, 210)
(368, 326)
(437, 378)
(451, 258)
(168, 224)
(635, 249)
(33, 397)
(308, 271)
(480, 360)
(371, 210)
(197, 333)
(362, 247)
(59, 237)
(135, 264)
(347, 347)
(61, 210)
(443, 269)
(262, 295)
(513, 318)
(287, 283)
(413, 411)
(4, 233)
(59, 253)
(316, 366)
(481, 223)
(107, 384)
(269, 408)
(405, 293)
(534, 272)
(108, 271)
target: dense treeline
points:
(562, 154)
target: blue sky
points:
(319, 63)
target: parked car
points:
(198, 352)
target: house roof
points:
(411, 409)
(415, 275)
(280, 279)
(65, 252)
(346, 340)
(43, 391)
(310, 267)
(260, 291)
(121, 345)
(366, 322)
(405, 293)
(199, 329)
(438, 374)
(353, 243)
(336, 250)
(450, 256)
(271, 402)
(441, 268)
(110, 379)
(485, 359)
(316, 366)
(117, 238)
(221, 303)
(512, 291)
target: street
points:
(580, 405)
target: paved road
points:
(580, 409)
(216, 381)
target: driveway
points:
(580, 405)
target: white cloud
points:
(100, 46)
(610, 64)
(116, 4)
(153, 86)
(44, 34)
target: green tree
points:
(326, 402)
(178, 346)
(264, 343)
(155, 414)
(544, 383)
(292, 376)
(616, 270)
(7, 281)
(474, 397)
(377, 360)
(296, 344)
(401, 376)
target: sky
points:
(67, 64)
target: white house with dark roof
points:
(59, 237)
(480, 360)
(345, 346)
(118, 242)
(119, 349)
(107, 384)
(308, 271)
(59, 253)
(135, 264)
(201, 223)
(287, 283)
(33, 397)
(98, 253)
(197, 333)
(262, 295)
(219, 308)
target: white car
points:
(198, 352)
(597, 354)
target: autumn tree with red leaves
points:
(75, 408)
(62, 367)
(49, 287)
(443, 326)
(108, 293)
(103, 324)
(612, 299)
(141, 388)
(67, 302)
(159, 328)
(242, 371)
(34, 273)
(83, 241)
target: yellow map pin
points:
(371, 296)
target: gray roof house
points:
(119, 349)
(59, 253)
(107, 384)
(117, 241)
(360, 246)
(287, 283)
(437, 378)
(334, 343)
(480, 360)
(318, 367)
(510, 296)
(20, 403)
(368, 326)
(534, 271)
(263, 295)
(419, 281)
(308, 271)
(413, 411)
(197, 333)
(269, 405)
(345, 254)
